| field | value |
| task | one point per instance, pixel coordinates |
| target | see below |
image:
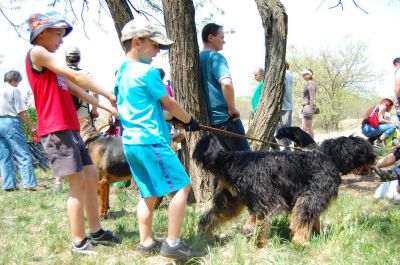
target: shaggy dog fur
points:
(270, 183)
(299, 137)
(109, 159)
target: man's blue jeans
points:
(13, 144)
(232, 143)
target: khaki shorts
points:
(66, 152)
(307, 112)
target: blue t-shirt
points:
(214, 68)
(138, 102)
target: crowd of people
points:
(146, 129)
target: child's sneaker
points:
(86, 250)
(107, 239)
(58, 187)
(182, 251)
(152, 249)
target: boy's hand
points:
(192, 126)
(113, 112)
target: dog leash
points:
(227, 133)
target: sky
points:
(311, 25)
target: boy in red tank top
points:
(52, 84)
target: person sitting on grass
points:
(52, 83)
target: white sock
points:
(173, 243)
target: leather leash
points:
(226, 133)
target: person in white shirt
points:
(12, 139)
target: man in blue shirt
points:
(218, 88)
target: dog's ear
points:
(207, 151)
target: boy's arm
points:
(175, 109)
(42, 58)
(79, 92)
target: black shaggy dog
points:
(299, 137)
(270, 183)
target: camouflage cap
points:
(135, 29)
(72, 51)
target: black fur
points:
(299, 137)
(268, 183)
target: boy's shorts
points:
(156, 169)
(66, 152)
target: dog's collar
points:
(94, 138)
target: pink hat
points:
(39, 22)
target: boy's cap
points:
(134, 29)
(39, 22)
(306, 71)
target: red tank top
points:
(54, 105)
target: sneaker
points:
(58, 187)
(385, 175)
(153, 248)
(182, 251)
(86, 250)
(107, 239)
(379, 144)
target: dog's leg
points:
(250, 224)
(108, 185)
(317, 225)
(102, 196)
(225, 207)
(263, 227)
(301, 224)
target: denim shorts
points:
(66, 152)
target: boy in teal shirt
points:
(146, 138)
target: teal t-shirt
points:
(140, 89)
(255, 99)
(214, 68)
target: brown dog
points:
(109, 159)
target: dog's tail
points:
(207, 151)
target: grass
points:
(355, 230)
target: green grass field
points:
(356, 229)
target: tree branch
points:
(16, 27)
(341, 5)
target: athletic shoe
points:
(379, 144)
(182, 251)
(58, 187)
(86, 250)
(152, 249)
(107, 239)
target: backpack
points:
(77, 101)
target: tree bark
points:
(187, 86)
(121, 14)
(267, 116)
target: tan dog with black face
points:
(108, 157)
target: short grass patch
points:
(356, 229)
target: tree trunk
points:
(187, 86)
(121, 14)
(267, 116)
